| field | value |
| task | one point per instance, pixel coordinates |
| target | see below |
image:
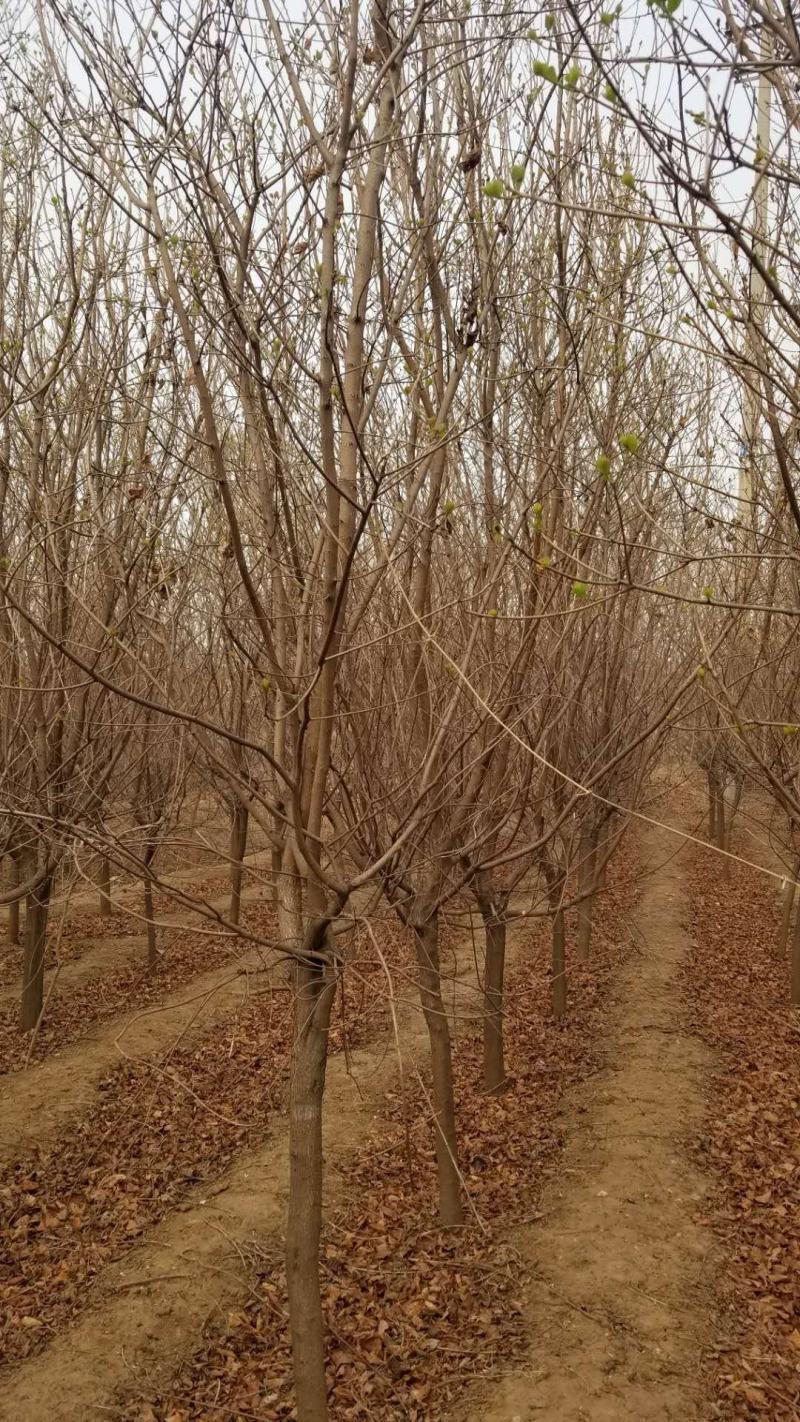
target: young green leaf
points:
(545, 71)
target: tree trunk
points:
(33, 954)
(13, 908)
(795, 965)
(729, 798)
(731, 804)
(586, 888)
(724, 829)
(314, 988)
(717, 821)
(494, 926)
(426, 939)
(559, 965)
(239, 821)
(276, 863)
(714, 807)
(781, 942)
(152, 943)
(104, 886)
(601, 855)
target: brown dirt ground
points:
(151, 1309)
(38, 1102)
(621, 1267)
(114, 943)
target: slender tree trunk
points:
(795, 964)
(13, 908)
(781, 942)
(152, 943)
(239, 823)
(724, 828)
(601, 856)
(587, 887)
(494, 926)
(33, 954)
(719, 816)
(559, 965)
(713, 808)
(104, 886)
(314, 988)
(276, 865)
(731, 805)
(426, 939)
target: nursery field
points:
(399, 711)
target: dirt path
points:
(619, 1302)
(139, 1331)
(197, 1259)
(105, 952)
(42, 1099)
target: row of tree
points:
(374, 384)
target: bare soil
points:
(152, 1307)
(40, 1101)
(621, 1266)
(617, 1312)
(87, 944)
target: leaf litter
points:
(739, 1002)
(414, 1313)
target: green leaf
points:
(708, 594)
(603, 465)
(517, 174)
(494, 188)
(580, 590)
(629, 442)
(545, 71)
(628, 180)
